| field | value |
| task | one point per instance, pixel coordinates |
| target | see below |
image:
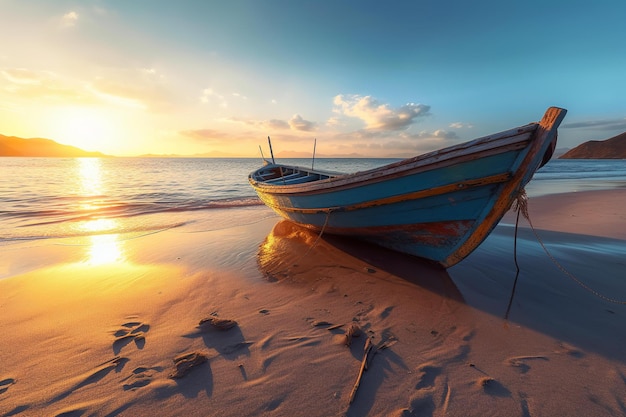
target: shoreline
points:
(96, 335)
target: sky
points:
(359, 77)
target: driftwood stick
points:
(367, 349)
(353, 331)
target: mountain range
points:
(613, 148)
(14, 146)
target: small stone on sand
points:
(217, 323)
(186, 362)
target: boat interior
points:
(281, 175)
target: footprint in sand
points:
(140, 377)
(428, 375)
(5, 384)
(93, 376)
(132, 331)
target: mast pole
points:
(271, 151)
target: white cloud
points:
(606, 124)
(443, 134)
(460, 125)
(379, 116)
(277, 124)
(22, 76)
(208, 96)
(295, 123)
(143, 88)
(333, 121)
(69, 19)
(298, 123)
(40, 85)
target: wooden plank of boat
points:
(439, 206)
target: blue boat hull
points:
(439, 206)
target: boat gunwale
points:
(420, 163)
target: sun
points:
(89, 128)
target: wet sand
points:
(94, 329)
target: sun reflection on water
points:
(105, 246)
(90, 180)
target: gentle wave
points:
(43, 198)
(44, 217)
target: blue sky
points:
(370, 78)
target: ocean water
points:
(47, 198)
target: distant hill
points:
(14, 146)
(613, 148)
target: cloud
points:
(379, 116)
(399, 144)
(272, 124)
(437, 134)
(295, 123)
(277, 124)
(40, 85)
(334, 121)
(136, 88)
(208, 96)
(205, 135)
(22, 76)
(459, 125)
(69, 19)
(298, 123)
(607, 124)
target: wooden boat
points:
(439, 206)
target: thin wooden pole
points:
(271, 151)
(314, 146)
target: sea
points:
(74, 198)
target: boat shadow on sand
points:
(292, 253)
(545, 299)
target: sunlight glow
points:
(99, 225)
(105, 249)
(89, 128)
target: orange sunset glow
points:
(209, 79)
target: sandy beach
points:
(93, 328)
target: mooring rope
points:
(521, 205)
(508, 308)
(317, 239)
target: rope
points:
(317, 239)
(508, 308)
(521, 205)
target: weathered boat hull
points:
(439, 206)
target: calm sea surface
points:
(42, 198)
